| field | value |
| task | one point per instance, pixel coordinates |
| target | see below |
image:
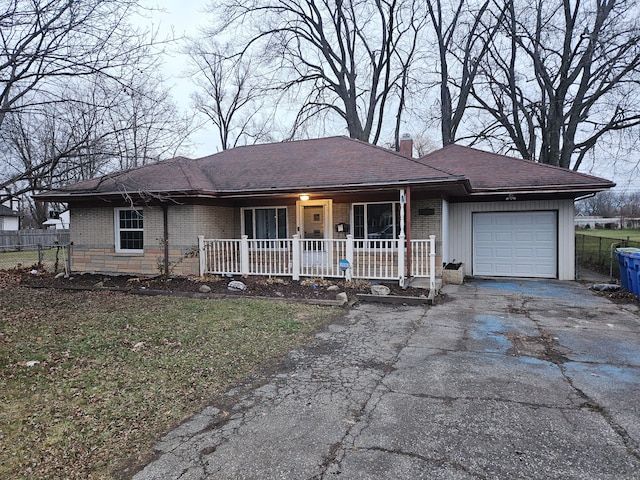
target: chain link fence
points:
(52, 258)
(40, 249)
(599, 253)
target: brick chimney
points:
(406, 145)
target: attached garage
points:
(513, 239)
(515, 244)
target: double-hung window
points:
(375, 221)
(129, 230)
(265, 224)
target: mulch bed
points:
(274, 287)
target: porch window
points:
(129, 230)
(376, 221)
(265, 223)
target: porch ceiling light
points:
(304, 197)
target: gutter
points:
(562, 189)
(344, 188)
(584, 197)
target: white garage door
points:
(515, 244)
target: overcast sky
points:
(179, 18)
(183, 17)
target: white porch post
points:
(296, 257)
(401, 240)
(244, 255)
(401, 251)
(432, 264)
(348, 274)
(201, 255)
(403, 201)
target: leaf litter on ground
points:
(88, 380)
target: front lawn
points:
(88, 380)
(633, 235)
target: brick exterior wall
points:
(341, 214)
(424, 225)
(93, 235)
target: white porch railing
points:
(296, 257)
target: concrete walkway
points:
(514, 379)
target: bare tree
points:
(103, 128)
(232, 95)
(79, 93)
(463, 31)
(44, 43)
(43, 149)
(562, 77)
(142, 122)
(341, 55)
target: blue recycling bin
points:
(624, 277)
(629, 261)
(633, 268)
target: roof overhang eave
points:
(551, 189)
(241, 193)
(344, 188)
(159, 195)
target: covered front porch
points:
(349, 258)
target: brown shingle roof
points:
(333, 162)
(327, 164)
(489, 171)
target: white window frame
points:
(266, 241)
(117, 229)
(367, 242)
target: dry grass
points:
(88, 380)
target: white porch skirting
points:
(347, 258)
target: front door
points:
(314, 220)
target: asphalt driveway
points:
(503, 379)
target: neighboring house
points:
(9, 219)
(58, 222)
(299, 208)
(591, 222)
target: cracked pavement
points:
(502, 379)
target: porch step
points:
(393, 299)
(423, 282)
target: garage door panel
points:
(545, 273)
(522, 270)
(524, 253)
(523, 221)
(504, 252)
(504, 269)
(522, 244)
(545, 237)
(544, 253)
(504, 237)
(505, 220)
(525, 236)
(484, 221)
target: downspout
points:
(165, 219)
(614, 245)
(408, 231)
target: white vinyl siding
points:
(461, 230)
(515, 244)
